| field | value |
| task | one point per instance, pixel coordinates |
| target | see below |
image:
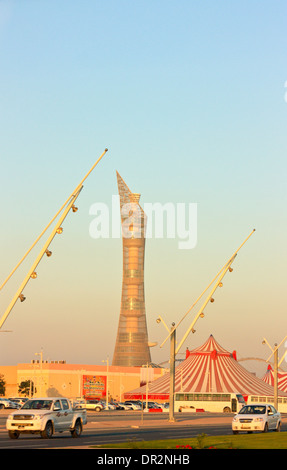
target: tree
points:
(27, 387)
(2, 385)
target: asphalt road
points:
(121, 426)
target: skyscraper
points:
(132, 347)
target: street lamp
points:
(172, 332)
(276, 365)
(66, 207)
(172, 335)
(146, 385)
(41, 369)
(107, 390)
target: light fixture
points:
(193, 331)
(59, 230)
(48, 253)
(220, 284)
(212, 299)
(264, 342)
(22, 297)
(34, 275)
(201, 315)
(158, 320)
(230, 269)
(74, 208)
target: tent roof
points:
(207, 369)
(282, 379)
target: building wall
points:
(10, 376)
(55, 379)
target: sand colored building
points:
(57, 378)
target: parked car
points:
(116, 405)
(6, 403)
(19, 401)
(124, 406)
(257, 417)
(119, 406)
(78, 403)
(153, 406)
(136, 402)
(111, 406)
(132, 405)
(94, 405)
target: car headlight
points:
(10, 417)
(37, 417)
(235, 419)
(258, 419)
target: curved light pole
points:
(276, 365)
(68, 205)
(172, 332)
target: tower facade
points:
(132, 347)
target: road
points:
(121, 426)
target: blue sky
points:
(189, 98)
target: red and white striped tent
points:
(206, 369)
(282, 379)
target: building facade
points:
(132, 347)
(57, 378)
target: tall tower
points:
(131, 347)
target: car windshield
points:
(253, 410)
(37, 405)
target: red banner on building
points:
(94, 386)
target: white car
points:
(124, 406)
(93, 405)
(19, 401)
(132, 406)
(110, 405)
(257, 417)
(6, 403)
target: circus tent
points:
(282, 379)
(207, 369)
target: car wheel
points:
(278, 428)
(1, 406)
(98, 408)
(235, 432)
(14, 434)
(226, 410)
(77, 431)
(265, 428)
(48, 431)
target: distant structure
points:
(132, 348)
